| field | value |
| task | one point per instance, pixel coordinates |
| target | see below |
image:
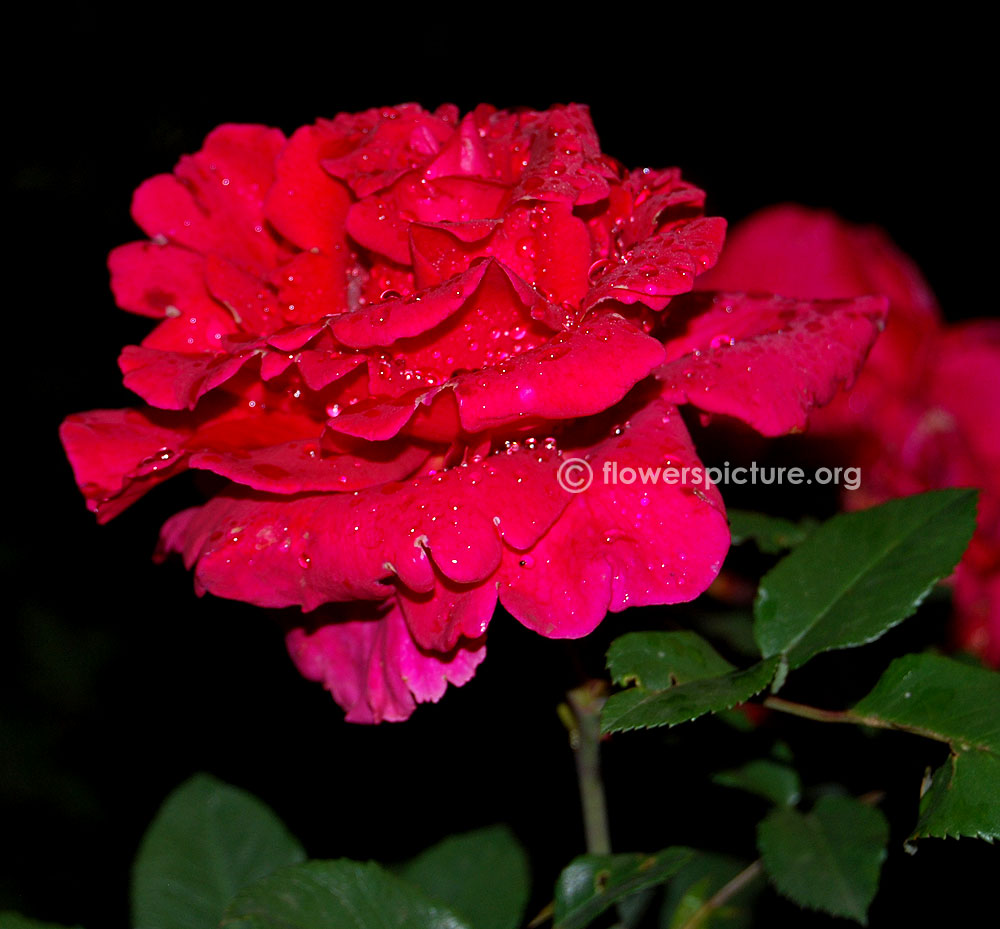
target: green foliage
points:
(216, 853)
(593, 883)
(482, 876)
(638, 708)
(770, 533)
(768, 779)
(957, 703)
(207, 842)
(658, 660)
(10, 920)
(734, 629)
(828, 859)
(860, 574)
(695, 884)
(336, 895)
(963, 798)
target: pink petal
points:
(399, 318)
(295, 337)
(320, 368)
(305, 204)
(501, 318)
(463, 154)
(659, 198)
(564, 160)
(303, 465)
(214, 204)
(439, 618)
(200, 332)
(766, 360)
(252, 302)
(575, 374)
(152, 279)
(372, 666)
(176, 381)
(440, 251)
(622, 544)
(965, 381)
(394, 140)
(663, 266)
(312, 549)
(977, 612)
(119, 455)
(379, 419)
(798, 252)
(311, 286)
(382, 221)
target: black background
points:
(116, 683)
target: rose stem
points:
(583, 719)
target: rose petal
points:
(381, 222)
(372, 666)
(159, 280)
(203, 332)
(302, 465)
(214, 204)
(176, 381)
(659, 197)
(312, 549)
(321, 368)
(439, 618)
(766, 360)
(252, 302)
(576, 374)
(564, 161)
(400, 318)
(305, 204)
(798, 252)
(310, 287)
(119, 455)
(663, 266)
(440, 251)
(622, 544)
(977, 612)
(463, 154)
(380, 145)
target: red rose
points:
(924, 411)
(387, 333)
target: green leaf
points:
(957, 703)
(593, 883)
(828, 859)
(770, 533)
(482, 876)
(768, 779)
(860, 574)
(696, 883)
(963, 799)
(638, 708)
(207, 842)
(630, 912)
(658, 660)
(338, 894)
(12, 920)
(735, 629)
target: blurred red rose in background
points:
(385, 334)
(925, 411)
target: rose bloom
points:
(924, 411)
(385, 334)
